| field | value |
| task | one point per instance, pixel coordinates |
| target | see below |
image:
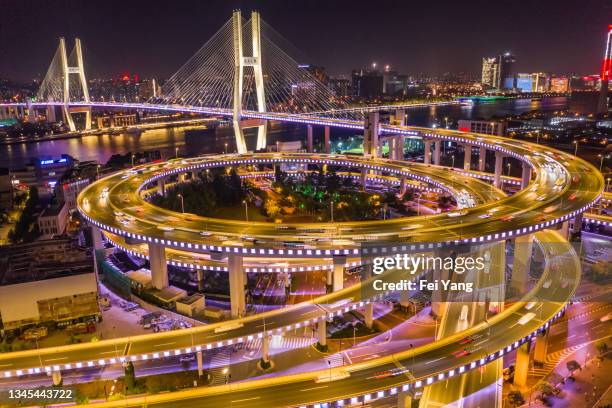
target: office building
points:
(496, 69)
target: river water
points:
(192, 141)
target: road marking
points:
(437, 359)
(314, 388)
(54, 359)
(164, 344)
(6, 365)
(246, 399)
(109, 352)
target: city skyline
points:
(554, 42)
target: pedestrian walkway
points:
(218, 362)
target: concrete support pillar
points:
(199, 358)
(437, 152)
(400, 117)
(499, 164)
(236, 283)
(200, 276)
(399, 147)
(57, 378)
(370, 134)
(368, 314)
(194, 175)
(427, 156)
(364, 177)
(265, 348)
(338, 278)
(404, 399)
(181, 177)
(541, 347)
(2, 112)
(159, 268)
(327, 141)
(403, 185)
(564, 229)
(161, 187)
(31, 111)
(521, 263)
(96, 238)
(467, 160)
(521, 366)
(525, 176)
(51, 114)
(482, 159)
(392, 149)
(322, 332)
(577, 225)
(309, 139)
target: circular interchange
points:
(580, 187)
(564, 186)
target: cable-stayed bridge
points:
(246, 71)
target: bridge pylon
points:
(59, 85)
(240, 62)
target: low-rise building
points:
(52, 220)
(49, 282)
(483, 126)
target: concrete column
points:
(200, 366)
(368, 314)
(322, 332)
(181, 177)
(200, 276)
(525, 176)
(521, 262)
(2, 112)
(364, 176)
(96, 238)
(437, 152)
(404, 399)
(403, 185)
(327, 141)
(564, 229)
(521, 366)
(541, 347)
(31, 111)
(499, 164)
(57, 378)
(194, 175)
(159, 268)
(577, 226)
(392, 148)
(339, 262)
(329, 282)
(399, 146)
(51, 113)
(265, 348)
(467, 160)
(400, 117)
(309, 139)
(236, 283)
(370, 134)
(161, 187)
(427, 158)
(482, 159)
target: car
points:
(461, 353)
(187, 359)
(485, 215)
(606, 317)
(205, 233)
(165, 228)
(508, 217)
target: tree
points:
(602, 348)
(130, 377)
(272, 208)
(572, 366)
(547, 388)
(516, 398)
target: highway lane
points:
(426, 363)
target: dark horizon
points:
(154, 41)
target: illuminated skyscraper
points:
(496, 69)
(606, 73)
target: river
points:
(191, 141)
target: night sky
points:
(154, 38)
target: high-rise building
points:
(559, 84)
(367, 83)
(496, 69)
(606, 74)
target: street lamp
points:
(576, 150)
(601, 157)
(453, 157)
(226, 374)
(509, 165)
(446, 120)
(225, 150)
(133, 160)
(97, 171)
(331, 209)
(182, 203)
(176, 152)
(246, 210)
